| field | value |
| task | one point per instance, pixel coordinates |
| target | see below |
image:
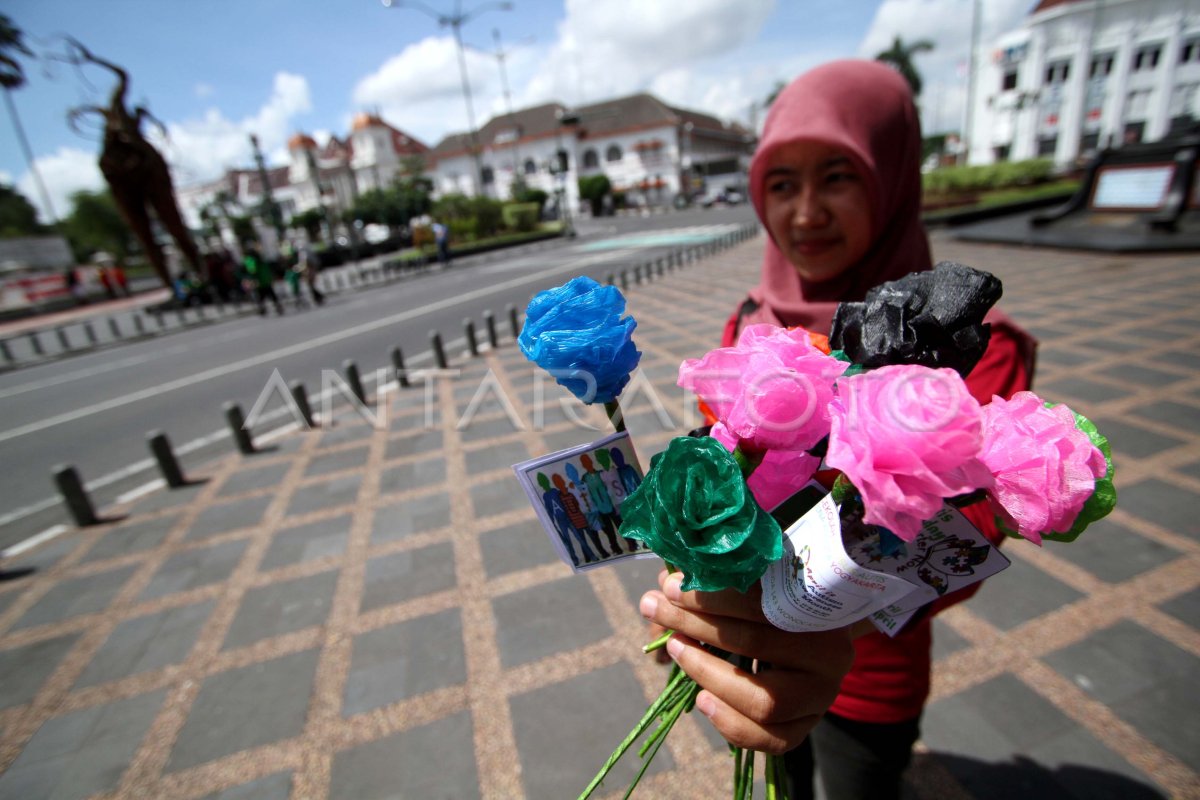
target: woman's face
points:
(817, 209)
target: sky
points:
(215, 71)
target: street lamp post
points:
(455, 22)
(562, 161)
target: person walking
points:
(261, 280)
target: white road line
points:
(262, 358)
(33, 541)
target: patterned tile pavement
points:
(370, 611)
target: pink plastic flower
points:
(1045, 468)
(907, 437)
(778, 476)
(772, 390)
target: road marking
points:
(300, 347)
(34, 541)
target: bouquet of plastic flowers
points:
(887, 407)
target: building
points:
(372, 155)
(1084, 74)
(650, 151)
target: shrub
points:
(521, 217)
(593, 188)
(965, 180)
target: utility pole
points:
(269, 206)
(969, 125)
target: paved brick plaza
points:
(368, 613)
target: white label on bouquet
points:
(948, 554)
(817, 586)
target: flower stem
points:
(658, 643)
(615, 415)
(651, 714)
(661, 734)
(748, 462)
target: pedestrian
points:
(261, 280)
(310, 266)
(836, 182)
(75, 286)
(441, 237)
(105, 281)
(120, 281)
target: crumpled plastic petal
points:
(693, 509)
(932, 318)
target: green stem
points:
(658, 643)
(747, 462)
(615, 415)
(651, 714)
(668, 723)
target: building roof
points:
(607, 118)
(1045, 4)
(302, 141)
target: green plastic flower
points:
(693, 509)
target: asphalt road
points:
(94, 411)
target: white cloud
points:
(65, 172)
(204, 90)
(201, 149)
(947, 24)
(420, 89)
(6, 178)
(622, 46)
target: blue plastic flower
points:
(576, 333)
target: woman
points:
(836, 182)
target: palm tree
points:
(12, 76)
(899, 56)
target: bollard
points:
(8, 356)
(114, 328)
(138, 325)
(237, 425)
(469, 330)
(398, 363)
(301, 397)
(610, 279)
(158, 317)
(439, 352)
(182, 317)
(490, 320)
(89, 330)
(79, 505)
(624, 280)
(659, 268)
(160, 446)
(36, 343)
(637, 273)
(513, 322)
(354, 380)
(62, 338)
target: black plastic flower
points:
(932, 318)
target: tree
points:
(900, 57)
(12, 76)
(593, 188)
(95, 225)
(779, 87)
(310, 222)
(18, 217)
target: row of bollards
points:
(74, 492)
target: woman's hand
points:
(774, 710)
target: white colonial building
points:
(650, 151)
(1084, 74)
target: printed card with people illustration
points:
(577, 494)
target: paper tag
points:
(817, 586)
(577, 495)
(832, 575)
(948, 554)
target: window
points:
(1101, 66)
(1146, 58)
(1047, 145)
(1058, 72)
(1134, 132)
(1009, 81)
(590, 159)
(530, 167)
(488, 176)
(1000, 152)
(1190, 51)
(1089, 142)
(613, 153)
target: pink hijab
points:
(866, 109)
